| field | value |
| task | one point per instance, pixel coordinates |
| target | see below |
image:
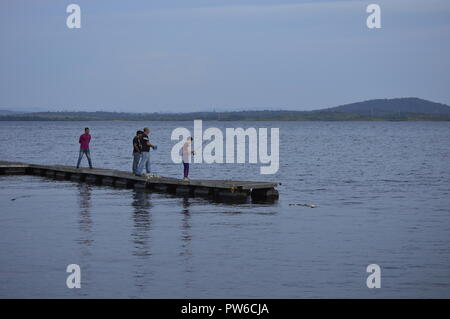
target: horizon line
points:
(251, 109)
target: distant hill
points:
(8, 112)
(392, 106)
(399, 109)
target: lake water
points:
(382, 192)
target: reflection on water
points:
(141, 223)
(186, 235)
(85, 219)
(141, 237)
(86, 236)
(186, 242)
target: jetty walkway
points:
(216, 189)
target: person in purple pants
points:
(187, 152)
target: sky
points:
(223, 55)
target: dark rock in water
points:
(304, 205)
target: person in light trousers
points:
(145, 153)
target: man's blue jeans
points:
(145, 163)
(88, 156)
(136, 158)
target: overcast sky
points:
(163, 55)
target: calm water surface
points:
(382, 192)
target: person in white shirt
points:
(187, 157)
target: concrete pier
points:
(215, 189)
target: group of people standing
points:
(141, 152)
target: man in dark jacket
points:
(145, 152)
(137, 148)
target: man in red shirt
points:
(84, 147)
